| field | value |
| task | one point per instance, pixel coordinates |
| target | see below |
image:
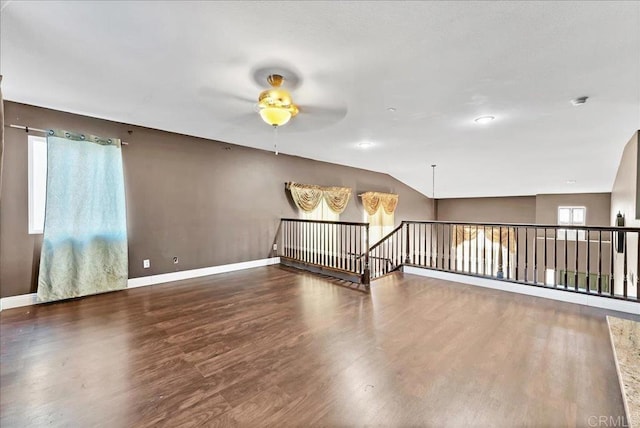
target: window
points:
(316, 238)
(322, 212)
(380, 225)
(572, 216)
(37, 170)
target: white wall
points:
(623, 200)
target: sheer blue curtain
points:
(85, 233)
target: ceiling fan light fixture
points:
(275, 104)
(275, 116)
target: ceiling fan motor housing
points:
(276, 105)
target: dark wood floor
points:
(276, 347)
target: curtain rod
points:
(44, 131)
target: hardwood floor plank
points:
(276, 347)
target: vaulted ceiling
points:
(407, 77)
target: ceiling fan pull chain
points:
(275, 139)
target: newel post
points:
(407, 259)
(366, 275)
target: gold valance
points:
(506, 236)
(308, 196)
(373, 200)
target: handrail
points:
(595, 260)
(344, 223)
(384, 238)
(361, 255)
(336, 248)
(530, 225)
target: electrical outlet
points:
(175, 260)
(146, 264)
(275, 247)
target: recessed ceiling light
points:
(365, 144)
(571, 181)
(391, 109)
(579, 101)
(482, 120)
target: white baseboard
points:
(547, 293)
(18, 301)
(195, 273)
(31, 299)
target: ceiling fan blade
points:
(244, 123)
(216, 94)
(314, 118)
(334, 112)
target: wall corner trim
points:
(546, 293)
(31, 299)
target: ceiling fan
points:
(275, 105)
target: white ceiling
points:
(183, 67)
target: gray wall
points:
(207, 202)
(540, 209)
(516, 209)
(598, 207)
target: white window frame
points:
(37, 177)
(571, 234)
(571, 222)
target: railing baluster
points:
(328, 247)
(450, 237)
(425, 253)
(575, 272)
(442, 265)
(325, 245)
(462, 265)
(332, 245)
(477, 249)
(493, 267)
(313, 248)
(431, 255)
(535, 255)
(517, 232)
(484, 250)
(611, 265)
(556, 274)
(407, 249)
(624, 284)
(350, 247)
(526, 254)
(340, 247)
(500, 257)
(285, 239)
(588, 283)
(413, 247)
(566, 260)
(422, 260)
(508, 252)
(544, 275)
(600, 262)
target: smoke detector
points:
(579, 101)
